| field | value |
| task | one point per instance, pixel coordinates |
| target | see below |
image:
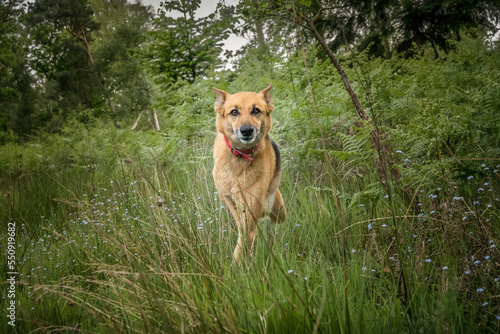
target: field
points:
(121, 232)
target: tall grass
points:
(121, 232)
(151, 249)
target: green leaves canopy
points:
(186, 46)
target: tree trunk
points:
(261, 40)
(108, 95)
(136, 121)
(155, 119)
(101, 79)
(347, 85)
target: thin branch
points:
(318, 14)
(340, 70)
(7, 10)
(136, 121)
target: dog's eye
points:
(255, 111)
(234, 112)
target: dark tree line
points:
(386, 26)
(394, 26)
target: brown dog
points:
(247, 162)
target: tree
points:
(387, 26)
(397, 25)
(183, 48)
(123, 27)
(437, 21)
(52, 21)
(17, 93)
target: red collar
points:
(241, 153)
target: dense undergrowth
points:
(121, 231)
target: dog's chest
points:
(232, 175)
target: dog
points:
(247, 168)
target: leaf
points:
(306, 3)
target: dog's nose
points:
(246, 130)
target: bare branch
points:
(137, 121)
(155, 119)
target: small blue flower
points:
(428, 260)
(479, 290)
(387, 196)
(470, 177)
(445, 268)
(290, 271)
(407, 160)
(484, 304)
(477, 262)
(399, 151)
(464, 218)
(467, 272)
(480, 189)
(487, 257)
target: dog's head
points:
(244, 118)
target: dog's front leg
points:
(237, 215)
(250, 208)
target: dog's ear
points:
(220, 98)
(266, 93)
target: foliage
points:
(122, 231)
(388, 27)
(455, 124)
(17, 110)
(62, 32)
(123, 27)
(183, 48)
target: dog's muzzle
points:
(247, 133)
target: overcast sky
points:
(207, 7)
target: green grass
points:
(148, 248)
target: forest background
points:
(387, 117)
